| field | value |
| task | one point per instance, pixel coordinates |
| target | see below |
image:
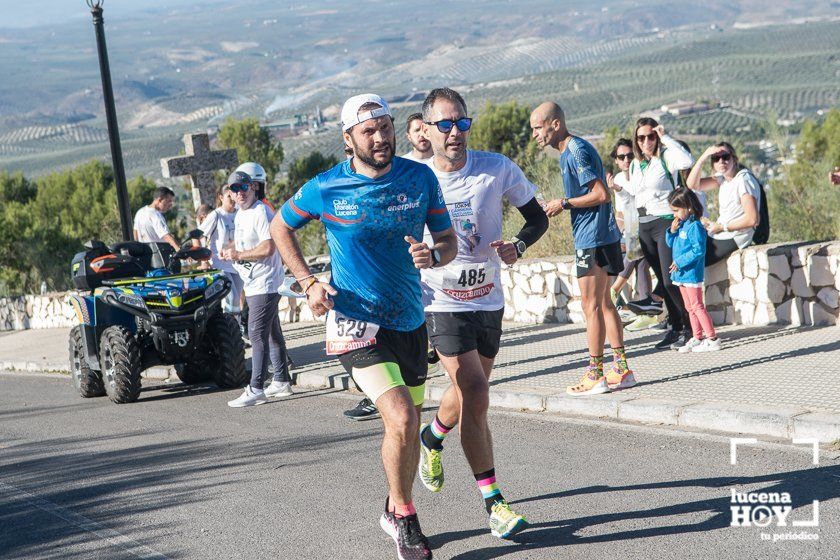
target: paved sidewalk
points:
(779, 382)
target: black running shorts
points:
(456, 333)
(409, 350)
(608, 257)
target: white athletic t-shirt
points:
(150, 225)
(729, 201)
(474, 196)
(218, 228)
(410, 155)
(264, 276)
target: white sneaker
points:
(692, 343)
(708, 345)
(279, 389)
(249, 397)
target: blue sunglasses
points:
(446, 125)
(238, 187)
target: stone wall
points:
(795, 284)
(35, 312)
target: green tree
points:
(44, 222)
(803, 205)
(300, 171)
(505, 128)
(252, 143)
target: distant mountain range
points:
(181, 65)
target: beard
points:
(367, 157)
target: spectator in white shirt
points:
(149, 223)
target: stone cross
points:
(200, 163)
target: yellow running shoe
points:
(504, 522)
(617, 380)
(590, 384)
(431, 469)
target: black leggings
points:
(658, 255)
(265, 334)
(719, 249)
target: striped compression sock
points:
(435, 433)
(489, 489)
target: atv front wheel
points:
(192, 372)
(121, 365)
(228, 351)
(87, 381)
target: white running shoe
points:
(249, 397)
(708, 345)
(279, 389)
(692, 343)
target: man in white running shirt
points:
(421, 149)
(463, 300)
(149, 223)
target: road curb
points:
(780, 422)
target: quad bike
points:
(138, 310)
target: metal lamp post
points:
(111, 117)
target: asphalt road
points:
(180, 475)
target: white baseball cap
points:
(350, 115)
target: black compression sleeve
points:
(536, 222)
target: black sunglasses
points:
(238, 187)
(624, 156)
(446, 125)
(725, 156)
(652, 137)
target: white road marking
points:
(109, 535)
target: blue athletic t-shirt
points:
(366, 221)
(580, 165)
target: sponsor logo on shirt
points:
(345, 208)
(460, 209)
(403, 204)
(467, 295)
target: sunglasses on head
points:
(724, 156)
(627, 156)
(238, 187)
(446, 125)
(650, 137)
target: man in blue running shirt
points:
(597, 247)
(374, 207)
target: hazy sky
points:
(28, 13)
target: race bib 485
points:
(469, 281)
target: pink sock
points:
(403, 510)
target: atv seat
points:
(150, 255)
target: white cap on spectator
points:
(350, 115)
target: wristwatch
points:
(435, 257)
(520, 247)
(565, 204)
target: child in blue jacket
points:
(687, 239)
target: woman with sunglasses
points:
(218, 227)
(653, 176)
(627, 218)
(739, 198)
(258, 264)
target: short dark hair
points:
(683, 197)
(441, 93)
(162, 192)
(411, 118)
(621, 142)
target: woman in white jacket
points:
(653, 176)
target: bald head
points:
(549, 111)
(548, 124)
